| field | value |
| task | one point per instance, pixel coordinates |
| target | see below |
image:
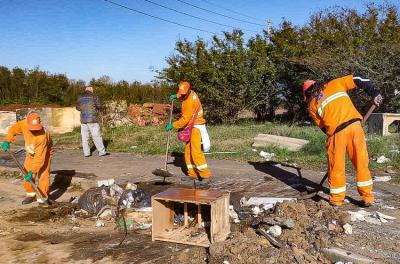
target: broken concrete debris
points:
(348, 229)
(263, 201)
(376, 218)
(337, 254)
(275, 230)
(292, 144)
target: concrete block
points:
(292, 144)
(378, 123)
(55, 120)
(337, 254)
(7, 119)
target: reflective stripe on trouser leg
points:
(336, 152)
(197, 155)
(31, 194)
(358, 154)
(188, 160)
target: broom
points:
(164, 172)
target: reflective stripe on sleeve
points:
(331, 98)
(337, 190)
(364, 183)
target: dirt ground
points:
(55, 235)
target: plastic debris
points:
(135, 199)
(267, 156)
(382, 159)
(265, 201)
(100, 223)
(382, 179)
(348, 229)
(233, 214)
(107, 182)
(275, 230)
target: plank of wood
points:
(185, 212)
(189, 195)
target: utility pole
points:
(268, 30)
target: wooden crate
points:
(378, 123)
(163, 227)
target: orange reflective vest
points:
(189, 106)
(333, 106)
(39, 147)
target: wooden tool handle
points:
(367, 115)
(168, 137)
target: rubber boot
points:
(28, 200)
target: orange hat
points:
(33, 120)
(183, 89)
(307, 84)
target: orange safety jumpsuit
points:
(39, 152)
(331, 108)
(194, 157)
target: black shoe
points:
(367, 204)
(88, 156)
(105, 154)
(28, 200)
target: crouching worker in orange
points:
(38, 155)
(333, 112)
(192, 113)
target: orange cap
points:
(33, 120)
(183, 89)
(307, 84)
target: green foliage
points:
(18, 86)
(232, 74)
(229, 74)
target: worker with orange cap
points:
(39, 151)
(192, 111)
(333, 112)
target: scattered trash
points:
(135, 199)
(75, 228)
(132, 225)
(285, 223)
(254, 150)
(273, 240)
(267, 156)
(255, 210)
(275, 230)
(376, 218)
(107, 182)
(105, 214)
(115, 190)
(131, 186)
(233, 214)
(100, 223)
(133, 147)
(396, 151)
(382, 159)
(382, 179)
(348, 229)
(226, 262)
(263, 201)
(331, 227)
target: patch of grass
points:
(8, 174)
(237, 138)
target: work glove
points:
(173, 97)
(378, 100)
(5, 146)
(168, 127)
(28, 176)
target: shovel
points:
(320, 185)
(24, 172)
(164, 172)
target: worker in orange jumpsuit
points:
(333, 112)
(194, 157)
(39, 152)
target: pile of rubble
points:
(148, 114)
(117, 113)
(288, 231)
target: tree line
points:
(232, 73)
(25, 86)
